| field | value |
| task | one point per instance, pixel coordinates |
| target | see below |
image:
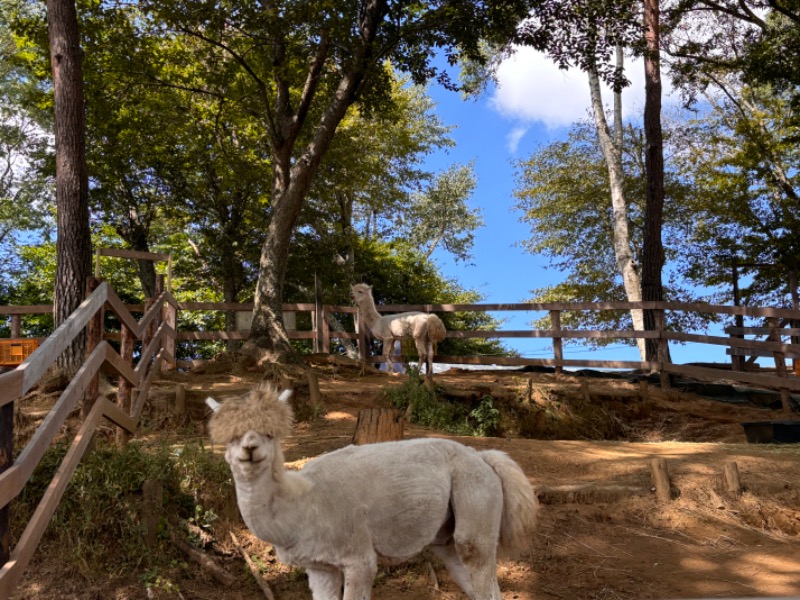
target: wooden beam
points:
(788, 331)
(123, 313)
(135, 254)
(768, 381)
(33, 309)
(10, 386)
(39, 362)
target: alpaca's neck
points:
(268, 501)
(371, 314)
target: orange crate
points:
(14, 352)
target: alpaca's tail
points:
(519, 504)
(434, 329)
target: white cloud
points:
(515, 136)
(532, 89)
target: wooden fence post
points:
(558, 351)
(737, 361)
(6, 460)
(16, 325)
(319, 316)
(663, 348)
(644, 389)
(124, 389)
(780, 363)
(732, 481)
(94, 335)
(180, 400)
(326, 331)
(795, 304)
(363, 339)
(153, 499)
(169, 315)
(587, 395)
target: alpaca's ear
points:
(212, 404)
(285, 395)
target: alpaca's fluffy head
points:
(260, 410)
(360, 291)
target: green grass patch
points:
(437, 412)
(98, 523)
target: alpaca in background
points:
(427, 329)
(346, 510)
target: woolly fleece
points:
(259, 410)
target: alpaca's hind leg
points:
(477, 502)
(423, 354)
(388, 344)
(447, 554)
(480, 561)
(325, 584)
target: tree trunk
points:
(292, 180)
(73, 248)
(293, 174)
(147, 275)
(612, 152)
(268, 338)
(230, 293)
(653, 250)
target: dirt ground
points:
(602, 532)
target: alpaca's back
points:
(399, 492)
(410, 492)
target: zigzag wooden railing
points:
(156, 348)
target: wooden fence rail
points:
(156, 330)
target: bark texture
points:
(612, 153)
(653, 250)
(73, 246)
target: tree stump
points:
(733, 482)
(378, 425)
(661, 481)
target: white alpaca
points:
(345, 511)
(426, 329)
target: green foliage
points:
(98, 522)
(186, 167)
(440, 216)
(742, 156)
(431, 411)
(561, 208)
(486, 417)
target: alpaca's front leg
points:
(325, 584)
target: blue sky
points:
(533, 104)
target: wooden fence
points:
(155, 330)
(738, 342)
